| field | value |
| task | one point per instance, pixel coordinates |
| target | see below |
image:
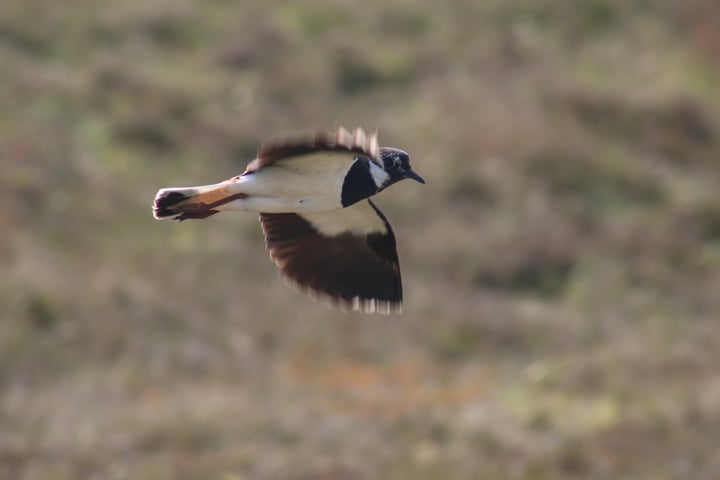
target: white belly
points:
(299, 185)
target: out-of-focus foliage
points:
(561, 266)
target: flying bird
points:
(321, 228)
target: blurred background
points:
(561, 266)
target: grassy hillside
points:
(561, 266)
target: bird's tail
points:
(193, 202)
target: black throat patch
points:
(358, 184)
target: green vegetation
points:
(561, 266)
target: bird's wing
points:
(345, 257)
(342, 144)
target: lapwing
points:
(321, 228)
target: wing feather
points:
(357, 142)
(352, 266)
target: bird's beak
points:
(414, 176)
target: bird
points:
(322, 230)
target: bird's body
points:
(311, 183)
(320, 229)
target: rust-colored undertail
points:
(187, 203)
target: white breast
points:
(308, 183)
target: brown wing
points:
(339, 141)
(346, 257)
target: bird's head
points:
(396, 163)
